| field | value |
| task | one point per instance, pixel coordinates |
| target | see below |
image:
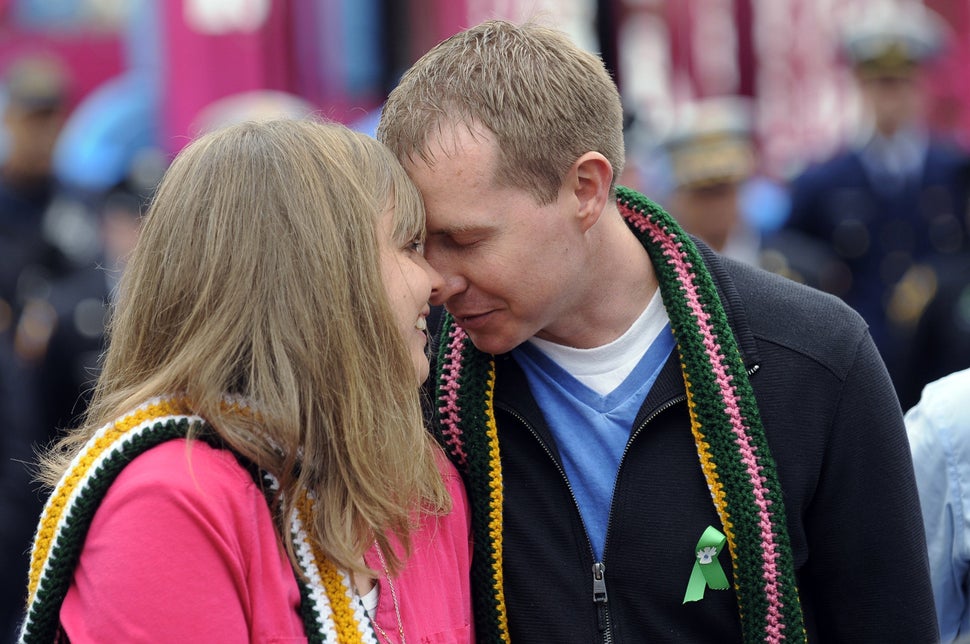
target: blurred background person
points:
(940, 342)
(939, 436)
(34, 109)
(50, 391)
(35, 99)
(712, 162)
(64, 369)
(892, 200)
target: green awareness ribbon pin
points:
(707, 570)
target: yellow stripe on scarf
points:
(343, 615)
(708, 467)
(495, 503)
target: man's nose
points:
(446, 288)
(434, 277)
(450, 280)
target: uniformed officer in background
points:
(34, 98)
(893, 200)
(711, 155)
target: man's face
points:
(895, 100)
(711, 212)
(32, 135)
(505, 259)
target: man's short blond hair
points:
(546, 101)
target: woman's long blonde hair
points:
(257, 275)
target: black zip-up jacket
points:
(836, 432)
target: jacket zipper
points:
(600, 597)
(600, 600)
(646, 421)
(599, 569)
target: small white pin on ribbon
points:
(707, 571)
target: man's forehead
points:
(451, 139)
(459, 165)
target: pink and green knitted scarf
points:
(731, 444)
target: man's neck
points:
(621, 281)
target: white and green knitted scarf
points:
(331, 611)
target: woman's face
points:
(409, 281)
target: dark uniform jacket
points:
(878, 229)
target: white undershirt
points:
(370, 600)
(604, 368)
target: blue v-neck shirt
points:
(591, 430)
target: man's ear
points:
(590, 178)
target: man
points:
(36, 96)
(711, 155)
(610, 502)
(939, 433)
(891, 203)
(36, 93)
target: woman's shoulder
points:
(190, 495)
(449, 473)
(186, 471)
(183, 540)
(180, 458)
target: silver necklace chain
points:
(397, 606)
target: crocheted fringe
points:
(468, 374)
(730, 439)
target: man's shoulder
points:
(795, 317)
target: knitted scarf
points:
(725, 422)
(330, 609)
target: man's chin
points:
(492, 343)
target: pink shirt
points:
(183, 549)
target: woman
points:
(253, 465)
